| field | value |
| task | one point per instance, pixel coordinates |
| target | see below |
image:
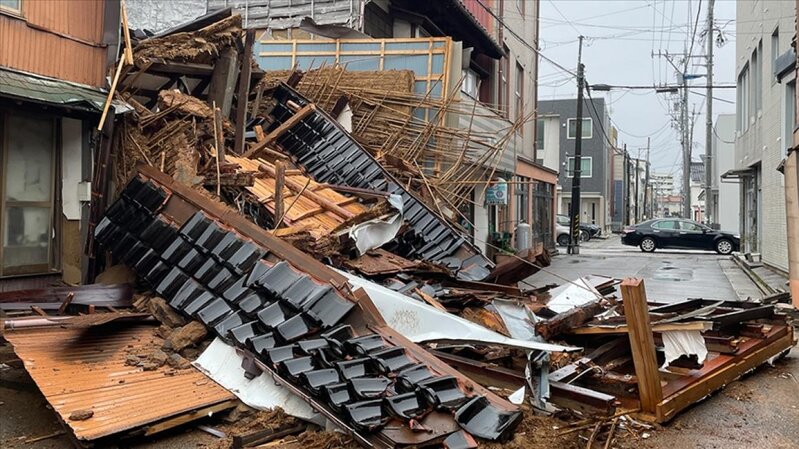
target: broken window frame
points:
(53, 204)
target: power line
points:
(522, 41)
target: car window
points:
(665, 224)
(688, 226)
(563, 220)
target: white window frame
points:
(11, 10)
(588, 120)
(570, 162)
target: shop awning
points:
(16, 84)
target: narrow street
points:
(669, 275)
(758, 410)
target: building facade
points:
(697, 191)
(597, 155)
(727, 193)
(53, 59)
(764, 124)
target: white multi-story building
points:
(764, 124)
(727, 203)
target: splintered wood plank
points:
(642, 344)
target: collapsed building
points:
(288, 217)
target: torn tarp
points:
(222, 363)
(420, 322)
(376, 233)
(679, 343)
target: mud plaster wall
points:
(71, 250)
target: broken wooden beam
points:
(302, 190)
(223, 81)
(563, 322)
(277, 132)
(244, 92)
(642, 344)
(280, 183)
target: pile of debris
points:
(286, 258)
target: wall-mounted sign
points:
(497, 192)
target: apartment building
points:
(727, 193)
(558, 125)
(764, 124)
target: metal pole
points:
(637, 195)
(574, 240)
(686, 155)
(709, 200)
(647, 203)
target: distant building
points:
(697, 191)
(727, 203)
(765, 108)
(596, 159)
(668, 206)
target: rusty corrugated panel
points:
(26, 44)
(78, 369)
(305, 213)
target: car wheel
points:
(648, 245)
(584, 236)
(724, 246)
(563, 240)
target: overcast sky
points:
(621, 37)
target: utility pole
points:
(686, 151)
(709, 119)
(637, 195)
(626, 186)
(574, 240)
(647, 203)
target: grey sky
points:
(620, 39)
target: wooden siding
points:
(60, 39)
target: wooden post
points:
(642, 343)
(791, 173)
(280, 182)
(223, 81)
(244, 92)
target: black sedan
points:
(680, 234)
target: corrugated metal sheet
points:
(305, 213)
(18, 84)
(282, 14)
(79, 369)
(25, 45)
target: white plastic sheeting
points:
(573, 294)
(222, 363)
(420, 322)
(376, 233)
(677, 343)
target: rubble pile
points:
(299, 259)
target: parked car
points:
(587, 231)
(561, 234)
(679, 233)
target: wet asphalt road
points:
(669, 275)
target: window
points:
(539, 138)
(26, 202)
(587, 131)
(775, 53)
(471, 83)
(789, 119)
(504, 85)
(14, 5)
(520, 192)
(586, 167)
(742, 105)
(519, 93)
(757, 79)
(665, 224)
(376, 22)
(691, 227)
